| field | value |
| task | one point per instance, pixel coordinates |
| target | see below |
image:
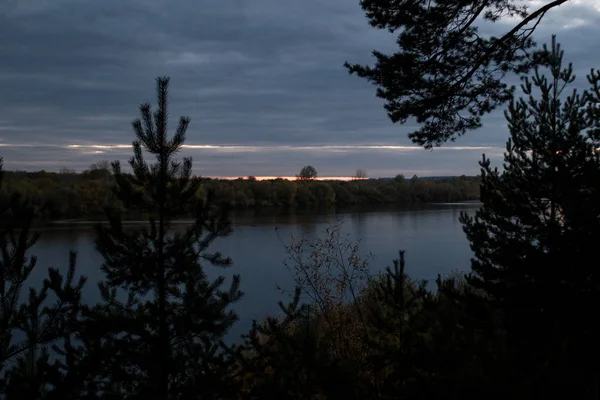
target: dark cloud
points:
(262, 75)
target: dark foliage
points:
(534, 238)
(157, 331)
(412, 344)
(55, 196)
(445, 74)
(306, 173)
(30, 324)
(436, 345)
(241, 194)
(63, 195)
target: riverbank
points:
(75, 196)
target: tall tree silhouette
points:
(163, 341)
(536, 234)
(446, 74)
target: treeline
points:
(307, 193)
(72, 195)
(63, 195)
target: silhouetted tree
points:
(102, 164)
(434, 345)
(446, 74)
(29, 325)
(66, 171)
(536, 234)
(360, 174)
(306, 173)
(163, 340)
(98, 170)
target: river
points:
(431, 235)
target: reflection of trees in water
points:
(66, 235)
(359, 221)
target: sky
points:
(262, 81)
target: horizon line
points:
(328, 178)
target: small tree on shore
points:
(66, 171)
(360, 174)
(307, 173)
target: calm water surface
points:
(431, 235)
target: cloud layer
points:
(263, 82)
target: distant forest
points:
(73, 195)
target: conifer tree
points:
(395, 316)
(442, 344)
(30, 323)
(445, 73)
(536, 234)
(162, 340)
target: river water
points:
(430, 234)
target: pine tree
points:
(435, 345)
(163, 340)
(30, 325)
(395, 315)
(535, 235)
(446, 74)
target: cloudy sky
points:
(262, 80)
